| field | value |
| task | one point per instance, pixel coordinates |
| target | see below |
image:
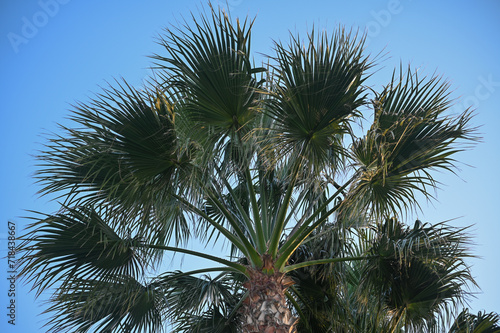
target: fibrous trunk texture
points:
(265, 309)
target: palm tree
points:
(388, 293)
(414, 280)
(391, 292)
(480, 323)
(260, 157)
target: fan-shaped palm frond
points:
(125, 156)
(319, 87)
(121, 305)
(215, 320)
(481, 323)
(78, 243)
(318, 296)
(200, 303)
(211, 65)
(409, 138)
(191, 294)
(419, 274)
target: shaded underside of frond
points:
(78, 243)
(122, 305)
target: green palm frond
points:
(196, 294)
(319, 290)
(328, 241)
(419, 273)
(236, 202)
(317, 295)
(122, 305)
(410, 137)
(125, 155)
(200, 303)
(481, 323)
(78, 243)
(125, 145)
(211, 65)
(215, 320)
(319, 87)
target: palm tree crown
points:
(269, 160)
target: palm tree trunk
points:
(265, 309)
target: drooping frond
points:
(200, 303)
(78, 243)
(318, 289)
(483, 322)
(119, 305)
(123, 154)
(195, 295)
(418, 274)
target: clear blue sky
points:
(55, 52)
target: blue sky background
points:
(54, 53)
